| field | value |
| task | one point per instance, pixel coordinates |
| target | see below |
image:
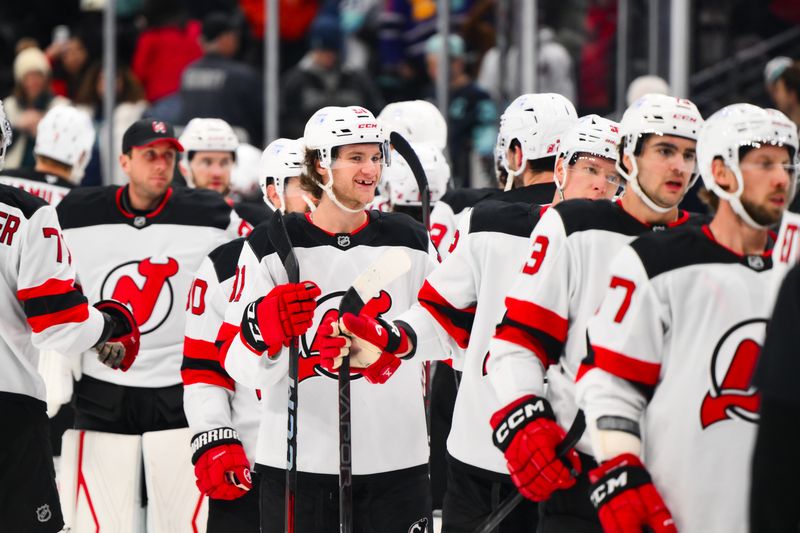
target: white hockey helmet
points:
(401, 184)
(5, 135)
(66, 134)
(656, 114)
(244, 174)
(418, 121)
(334, 126)
(733, 127)
(282, 159)
(537, 122)
(593, 135)
(206, 135)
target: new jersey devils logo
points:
(143, 286)
(734, 361)
(309, 355)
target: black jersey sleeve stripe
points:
(457, 322)
(45, 305)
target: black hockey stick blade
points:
(403, 148)
(279, 238)
(510, 503)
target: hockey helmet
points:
(593, 135)
(733, 127)
(401, 184)
(66, 134)
(244, 173)
(537, 122)
(418, 121)
(656, 114)
(282, 159)
(5, 135)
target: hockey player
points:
(44, 311)
(676, 341)
(401, 185)
(63, 148)
(209, 156)
(345, 153)
(465, 297)
(556, 291)
(139, 244)
(215, 405)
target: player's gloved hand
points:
(377, 346)
(220, 464)
(626, 499)
(333, 344)
(286, 311)
(121, 347)
(527, 434)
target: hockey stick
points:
(279, 238)
(510, 503)
(401, 145)
(392, 264)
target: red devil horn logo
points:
(734, 391)
(143, 300)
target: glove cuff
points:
(624, 472)
(117, 320)
(202, 442)
(251, 331)
(511, 419)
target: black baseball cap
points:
(147, 131)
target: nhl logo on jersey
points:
(139, 221)
(732, 366)
(43, 513)
(420, 526)
(756, 262)
(144, 286)
(343, 240)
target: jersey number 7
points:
(629, 287)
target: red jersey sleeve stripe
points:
(537, 317)
(78, 313)
(509, 333)
(626, 367)
(457, 322)
(51, 287)
(227, 331)
(198, 349)
(191, 376)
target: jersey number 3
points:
(534, 262)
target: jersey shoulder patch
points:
(87, 206)
(225, 257)
(499, 216)
(582, 215)
(25, 202)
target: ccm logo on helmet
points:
(367, 125)
(688, 118)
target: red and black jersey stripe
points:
(52, 303)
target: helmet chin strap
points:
(735, 200)
(328, 188)
(311, 206)
(632, 178)
(511, 174)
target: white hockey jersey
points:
(553, 296)
(676, 342)
(447, 212)
(49, 188)
(787, 250)
(145, 261)
(465, 297)
(388, 420)
(211, 398)
(42, 309)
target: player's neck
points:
(142, 203)
(637, 208)
(536, 177)
(735, 234)
(329, 217)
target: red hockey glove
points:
(626, 499)
(220, 464)
(527, 434)
(286, 311)
(377, 345)
(121, 347)
(335, 345)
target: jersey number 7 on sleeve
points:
(629, 287)
(53, 232)
(534, 262)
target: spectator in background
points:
(786, 92)
(162, 52)
(28, 103)
(130, 105)
(471, 117)
(320, 80)
(218, 86)
(772, 70)
(70, 61)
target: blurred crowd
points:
(179, 60)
